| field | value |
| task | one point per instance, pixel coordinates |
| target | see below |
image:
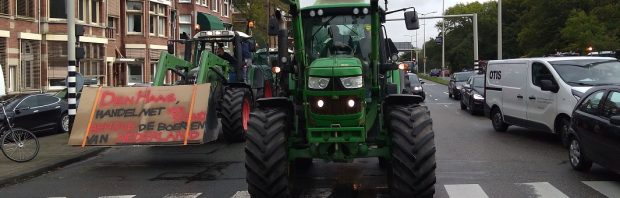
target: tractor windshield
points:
(327, 36)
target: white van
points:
(540, 93)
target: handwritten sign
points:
(142, 116)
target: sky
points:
(396, 29)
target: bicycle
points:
(17, 144)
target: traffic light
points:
(79, 51)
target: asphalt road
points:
(472, 161)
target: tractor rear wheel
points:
(266, 163)
(412, 167)
(235, 111)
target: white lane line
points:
(241, 194)
(446, 93)
(544, 190)
(118, 196)
(183, 195)
(607, 188)
(465, 191)
(436, 99)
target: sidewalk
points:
(53, 153)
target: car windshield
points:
(337, 35)
(588, 72)
(460, 77)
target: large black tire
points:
(266, 160)
(234, 115)
(497, 120)
(412, 167)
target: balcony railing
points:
(110, 33)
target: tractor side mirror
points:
(274, 27)
(411, 20)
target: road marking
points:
(544, 190)
(436, 99)
(241, 194)
(446, 93)
(465, 191)
(607, 188)
(118, 196)
(183, 195)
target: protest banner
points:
(111, 116)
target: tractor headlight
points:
(352, 82)
(351, 103)
(317, 83)
(478, 97)
(276, 70)
(418, 88)
(320, 103)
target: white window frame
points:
(185, 1)
(226, 8)
(158, 13)
(135, 12)
(90, 8)
(8, 8)
(215, 5)
(49, 14)
(29, 5)
(183, 22)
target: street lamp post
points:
(499, 30)
(443, 39)
(424, 36)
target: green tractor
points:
(344, 101)
(231, 98)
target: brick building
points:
(123, 38)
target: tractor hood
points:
(336, 66)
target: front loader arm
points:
(209, 61)
(168, 62)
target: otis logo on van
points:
(495, 75)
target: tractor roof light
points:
(312, 13)
(320, 12)
(401, 66)
(356, 11)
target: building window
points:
(94, 14)
(185, 1)
(92, 65)
(57, 60)
(134, 74)
(30, 64)
(25, 8)
(215, 5)
(185, 24)
(158, 19)
(58, 10)
(134, 17)
(226, 8)
(4, 7)
(112, 29)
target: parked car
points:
(595, 130)
(457, 80)
(37, 112)
(415, 85)
(435, 72)
(540, 93)
(473, 95)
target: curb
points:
(42, 170)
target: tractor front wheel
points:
(235, 111)
(411, 171)
(266, 163)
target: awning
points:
(209, 22)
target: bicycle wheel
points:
(20, 145)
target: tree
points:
(583, 30)
(258, 11)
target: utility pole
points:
(424, 45)
(71, 68)
(499, 30)
(443, 39)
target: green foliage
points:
(257, 10)
(531, 28)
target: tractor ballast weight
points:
(231, 98)
(344, 101)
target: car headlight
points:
(478, 97)
(317, 83)
(417, 88)
(352, 82)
